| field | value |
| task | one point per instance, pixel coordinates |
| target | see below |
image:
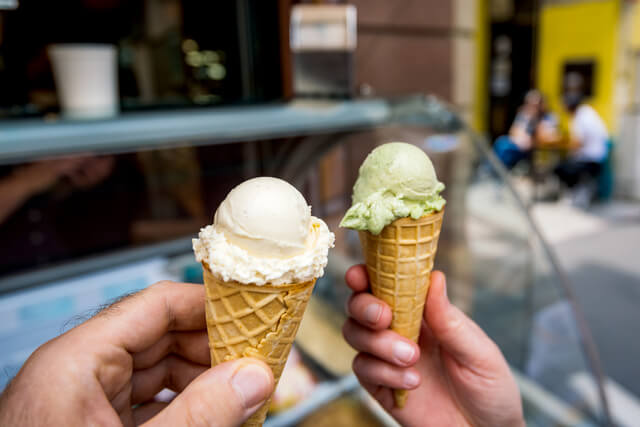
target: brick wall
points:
(407, 47)
(418, 46)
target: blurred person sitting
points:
(533, 124)
(588, 150)
(56, 209)
(29, 180)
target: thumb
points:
(223, 396)
(456, 333)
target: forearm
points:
(14, 192)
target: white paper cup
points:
(86, 79)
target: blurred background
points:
(123, 125)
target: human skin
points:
(107, 370)
(457, 375)
(83, 172)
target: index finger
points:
(140, 320)
(357, 278)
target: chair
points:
(605, 179)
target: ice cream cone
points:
(253, 321)
(399, 262)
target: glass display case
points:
(169, 54)
(117, 202)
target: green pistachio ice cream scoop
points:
(397, 180)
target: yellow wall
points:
(579, 31)
(481, 96)
(636, 26)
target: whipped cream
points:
(234, 263)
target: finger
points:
(386, 345)
(375, 371)
(145, 412)
(357, 278)
(369, 311)
(172, 372)
(192, 346)
(138, 321)
(225, 395)
(455, 332)
(383, 395)
(426, 341)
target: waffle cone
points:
(399, 262)
(253, 321)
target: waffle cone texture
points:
(399, 262)
(253, 321)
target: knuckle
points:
(207, 407)
(455, 326)
(46, 348)
(385, 374)
(362, 363)
(355, 303)
(449, 327)
(195, 409)
(363, 300)
(356, 337)
(161, 285)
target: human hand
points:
(39, 176)
(155, 339)
(91, 171)
(457, 374)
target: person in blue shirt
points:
(533, 124)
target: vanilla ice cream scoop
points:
(263, 232)
(267, 217)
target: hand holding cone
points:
(254, 321)
(399, 262)
(398, 209)
(261, 258)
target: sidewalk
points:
(600, 251)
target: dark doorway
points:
(512, 71)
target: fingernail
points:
(403, 352)
(252, 383)
(411, 379)
(372, 313)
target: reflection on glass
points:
(498, 271)
(60, 209)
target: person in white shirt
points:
(589, 140)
